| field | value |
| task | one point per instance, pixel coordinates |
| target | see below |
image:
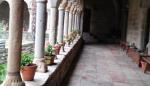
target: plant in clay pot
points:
(28, 69)
(49, 55)
(68, 40)
(57, 48)
(74, 34)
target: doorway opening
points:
(87, 20)
(146, 30)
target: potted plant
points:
(49, 55)
(28, 69)
(57, 48)
(68, 40)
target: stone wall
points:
(27, 44)
(29, 47)
(26, 36)
(136, 23)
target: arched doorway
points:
(4, 16)
(25, 17)
(87, 20)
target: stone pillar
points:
(81, 22)
(48, 20)
(52, 5)
(30, 20)
(52, 33)
(73, 19)
(60, 23)
(70, 19)
(13, 77)
(75, 24)
(78, 20)
(66, 20)
(40, 34)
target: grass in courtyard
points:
(2, 72)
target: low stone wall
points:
(29, 47)
(58, 76)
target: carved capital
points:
(62, 5)
(67, 8)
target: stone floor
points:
(106, 65)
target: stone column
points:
(73, 20)
(60, 23)
(75, 24)
(81, 22)
(70, 19)
(13, 77)
(52, 33)
(52, 5)
(30, 20)
(48, 20)
(40, 34)
(78, 20)
(66, 19)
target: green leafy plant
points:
(68, 39)
(2, 72)
(26, 59)
(49, 51)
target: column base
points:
(13, 81)
(41, 65)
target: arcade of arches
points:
(108, 32)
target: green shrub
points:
(49, 51)
(26, 59)
(3, 68)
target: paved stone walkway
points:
(107, 65)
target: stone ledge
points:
(57, 72)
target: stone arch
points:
(4, 15)
(27, 2)
(59, 2)
(1, 1)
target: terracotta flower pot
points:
(57, 48)
(143, 65)
(28, 72)
(49, 60)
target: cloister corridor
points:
(106, 65)
(75, 42)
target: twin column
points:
(40, 35)
(60, 29)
